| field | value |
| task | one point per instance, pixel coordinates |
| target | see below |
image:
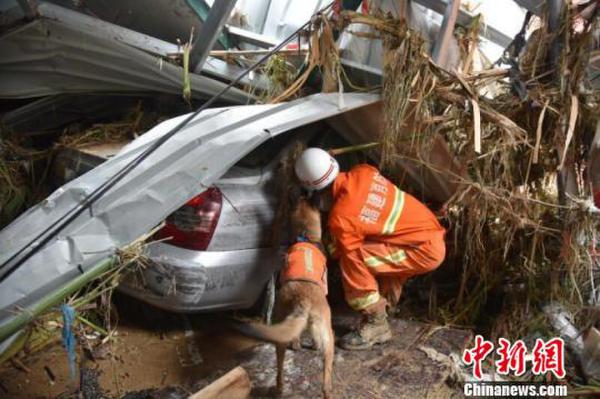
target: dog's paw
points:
(295, 345)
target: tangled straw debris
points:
(121, 131)
(517, 243)
(323, 56)
(23, 172)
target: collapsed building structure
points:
(506, 152)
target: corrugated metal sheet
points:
(167, 20)
(47, 57)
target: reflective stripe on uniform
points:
(308, 261)
(364, 301)
(390, 224)
(393, 258)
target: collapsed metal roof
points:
(68, 47)
(181, 168)
(67, 52)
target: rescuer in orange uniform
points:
(383, 236)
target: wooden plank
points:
(233, 385)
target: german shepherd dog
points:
(301, 303)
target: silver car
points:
(217, 254)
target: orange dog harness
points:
(305, 262)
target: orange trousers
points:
(379, 269)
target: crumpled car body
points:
(229, 270)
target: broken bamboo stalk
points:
(233, 385)
(403, 10)
(538, 133)
(476, 125)
(24, 316)
(352, 148)
(571, 128)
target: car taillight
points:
(192, 226)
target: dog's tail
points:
(280, 333)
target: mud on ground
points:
(161, 355)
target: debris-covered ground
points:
(161, 355)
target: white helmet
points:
(316, 169)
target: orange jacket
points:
(305, 262)
(368, 206)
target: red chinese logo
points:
(512, 357)
(547, 356)
(477, 355)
